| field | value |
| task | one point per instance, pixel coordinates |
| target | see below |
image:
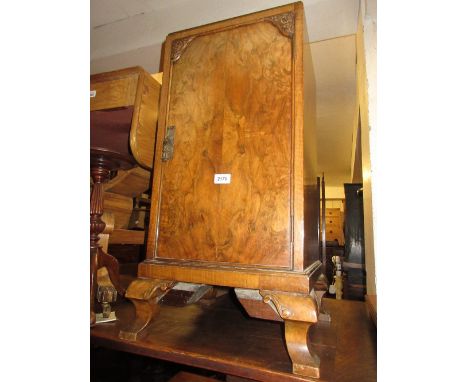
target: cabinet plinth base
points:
(230, 276)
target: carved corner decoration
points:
(293, 306)
(284, 22)
(178, 47)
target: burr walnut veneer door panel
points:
(230, 100)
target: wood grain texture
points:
(305, 361)
(231, 378)
(298, 142)
(223, 94)
(131, 87)
(120, 206)
(333, 212)
(356, 356)
(113, 93)
(152, 251)
(131, 183)
(299, 312)
(221, 338)
(252, 301)
(311, 192)
(371, 301)
(190, 377)
(126, 236)
(143, 133)
(108, 218)
(145, 294)
(230, 101)
(246, 277)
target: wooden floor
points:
(217, 335)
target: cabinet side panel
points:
(311, 191)
(298, 141)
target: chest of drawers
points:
(334, 225)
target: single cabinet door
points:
(225, 195)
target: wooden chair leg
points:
(145, 295)
(299, 313)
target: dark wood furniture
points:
(190, 377)
(122, 135)
(231, 167)
(323, 225)
(354, 285)
(219, 337)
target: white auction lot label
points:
(222, 178)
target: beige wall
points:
(366, 47)
(334, 192)
(127, 33)
(310, 119)
(147, 57)
(335, 203)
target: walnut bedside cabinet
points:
(234, 198)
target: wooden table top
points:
(219, 336)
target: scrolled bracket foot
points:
(145, 295)
(305, 361)
(299, 313)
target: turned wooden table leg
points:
(145, 295)
(100, 173)
(299, 313)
